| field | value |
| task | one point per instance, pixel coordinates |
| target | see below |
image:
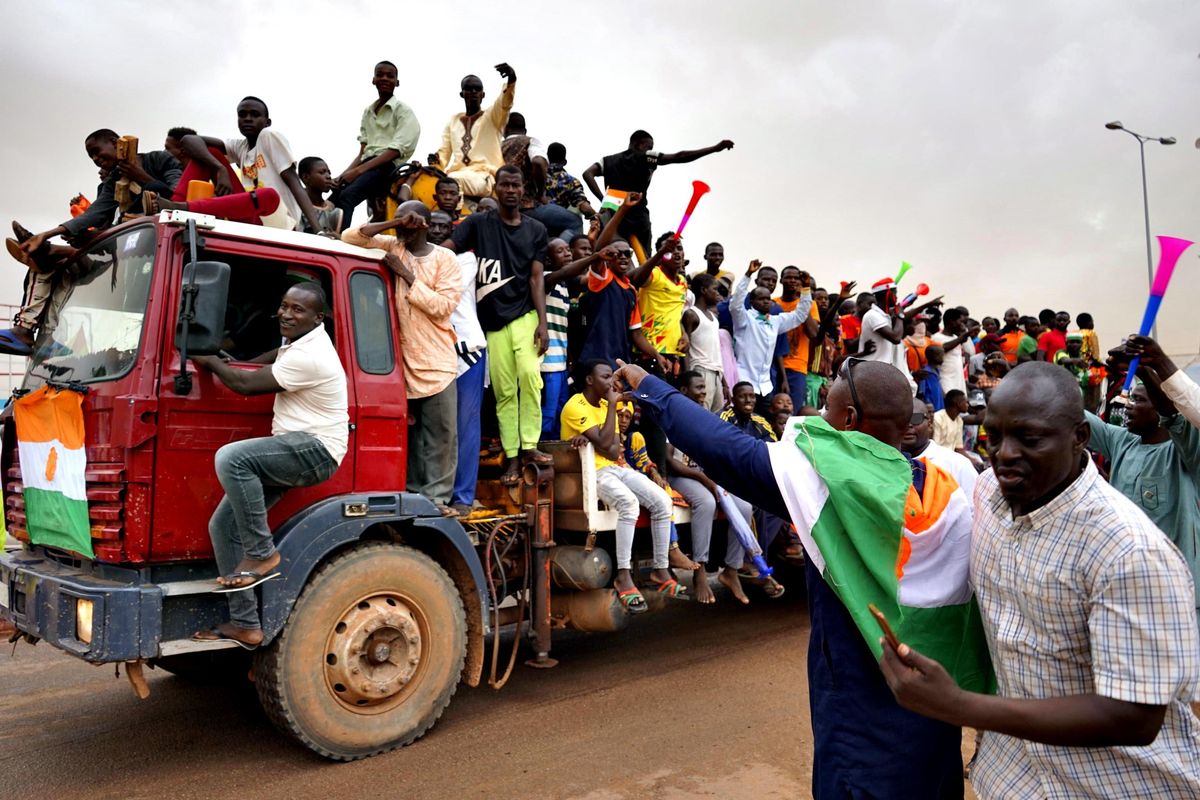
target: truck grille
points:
(105, 494)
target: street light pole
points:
(1165, 140)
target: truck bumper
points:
(43, 599)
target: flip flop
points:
(221, 637)
(258, 577)
(22, 233)
(633, 601)
(673, 589)
(148, 201)
(12, 345)
(773, 588)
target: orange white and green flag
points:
(50, 442)
(876, 539)
(613, 199)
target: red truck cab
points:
(114, 329)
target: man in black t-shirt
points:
(631, 171)
(511, 303)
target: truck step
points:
(176, 588)
(177, 647)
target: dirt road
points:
(692, 702)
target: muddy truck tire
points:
(370, 655)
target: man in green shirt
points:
(1155, 462)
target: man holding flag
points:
(877, 528)
(1089, 616)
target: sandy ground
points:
(691, 702)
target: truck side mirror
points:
(201, 325)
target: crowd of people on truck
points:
(1086, 513)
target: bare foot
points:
(227, 630)
(678, 560)
(729, 579)
(701, 588)
(512, 473)
(263, 567)
(623, 581)
(661, 576)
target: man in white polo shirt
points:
(307, 442)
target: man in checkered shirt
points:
(1089, 615)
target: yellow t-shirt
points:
(797, 358)
(661, 302)
(578, 415)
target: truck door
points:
(381, 433)
(193, 427)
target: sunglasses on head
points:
(847, 372)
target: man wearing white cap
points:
(883, 331)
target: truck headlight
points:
(83, 620)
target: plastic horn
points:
(911, 297)
(904, 267)
(746, 536)
(699, 189)
(1169, 251)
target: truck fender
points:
(309, 537)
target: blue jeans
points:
(470, 403)
(560, 223)
(371, 183)
(254, 474)
(798, 388)
(554, 397)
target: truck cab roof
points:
(261, 233)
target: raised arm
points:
(687, 156)
(498, 111)
(609, 232)
(732, 459)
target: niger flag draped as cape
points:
(53, 463)
(876, 540)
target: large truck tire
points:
(370, 655)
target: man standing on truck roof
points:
(429, 285)
(309, 429)
(511, 304)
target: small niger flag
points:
(613, 199)
(53, 462)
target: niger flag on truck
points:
(876, 539)
(53, 463)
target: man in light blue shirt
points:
(756, 330)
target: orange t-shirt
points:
(1010, 344)
(797, 358)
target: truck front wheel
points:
(370, 656)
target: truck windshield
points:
(93, 323)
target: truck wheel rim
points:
(374, 653)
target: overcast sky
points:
(966, 138)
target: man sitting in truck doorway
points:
(309, 429)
